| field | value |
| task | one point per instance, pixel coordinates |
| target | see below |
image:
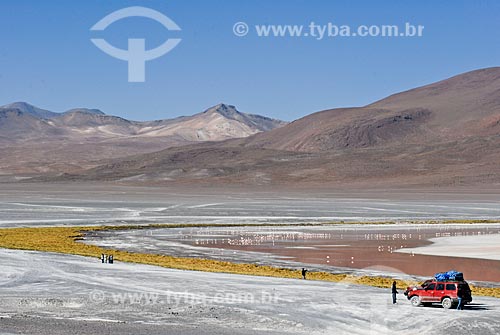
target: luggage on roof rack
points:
(450, 275)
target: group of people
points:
(107, 259)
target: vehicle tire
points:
(447, 303)
(415, 300)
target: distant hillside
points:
(40, 141)
(217, 123)
(443, 134)
(464, 106)
(214, 124)
(29, 109)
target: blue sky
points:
(47, 59)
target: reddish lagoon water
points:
(353, 247)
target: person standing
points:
(394, 292)
(304, 272)
(460, 296)
(102, 258)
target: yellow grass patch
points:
(65, 240)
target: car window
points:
(431, 286)
(440, 287)
(450, 287)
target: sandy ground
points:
(61, 294)
(483, 247)
(54, 294)
(78, 204)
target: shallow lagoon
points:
(372, 247)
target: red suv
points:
(443, 292)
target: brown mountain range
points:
(443, 134)
(33, 140)
(464, 106)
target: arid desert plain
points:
(398, 234)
